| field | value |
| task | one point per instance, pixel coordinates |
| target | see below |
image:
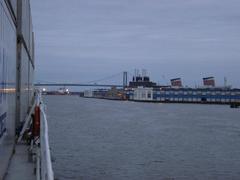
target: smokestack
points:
(177, 82)
(209, 81)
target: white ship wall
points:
(15, 56)
(7, 73)
(13, 6)
(26, 60)
(16, 80)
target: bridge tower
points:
(125, 79)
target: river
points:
(93, 139)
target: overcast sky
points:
(83, 40)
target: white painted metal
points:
(44, 169)
(46, 163)
(27, 120)
(38, 174)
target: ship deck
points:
(6, 150)
(20, 167)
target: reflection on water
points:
(107, 140)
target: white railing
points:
(46, 171)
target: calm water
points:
(95, 139)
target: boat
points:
(63, 91)
(24, 146)
(234, 105)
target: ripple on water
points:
(104, 140)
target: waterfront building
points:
(184, 95)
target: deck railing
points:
(46, 171)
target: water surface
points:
(94, 139)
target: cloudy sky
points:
(83, 40)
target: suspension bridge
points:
(94, 83)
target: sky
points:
(84, 40)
